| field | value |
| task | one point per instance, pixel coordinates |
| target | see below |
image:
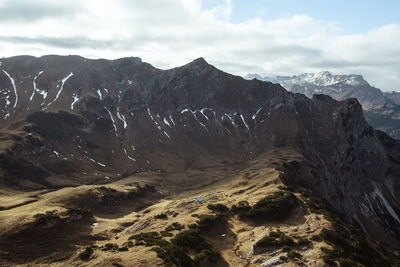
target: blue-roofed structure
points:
(200, 200)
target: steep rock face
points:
(358, 167)
(70, 120)
(382, 110)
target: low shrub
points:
(174, 256)
(48, 215)
(316, 238)
(329, 260)
(218, 207)
(175, 227)
(276, 206)
(303, 241)
(174, 253)
(86, 254)
(209, 221)
(192, 226)
(336, 239)
(166, 234)
(294, 255)
(123, 248)
(283, 258)
(141, 191)
(110, 246)
(349, 263)
(275, 239)
(205, 257)
(242, 208)
(107, 189)
(73, 209)
(160, 216)
(190, 239)
(148, 239)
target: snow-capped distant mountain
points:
(382, 110)
(338, 86)
(325, 78)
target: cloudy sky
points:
(238, 36)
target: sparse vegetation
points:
(73, 209)
(110, 246)
(242, 208)
(208, 221)
(124, 248)
(303, 241)
(174, 256)
(275, 206)
(192, 226)
(140, 191)
(48, 215)
(174, 252)
(166, 234)
(175, 227)
(275, 239)
(349, 263)
(86, 254)
(218, 207)
(161, 216)
(349, 247)
(107, 189)
(318, 206)
(148, 239)
(5, 144)
(316, 238)
(294, 255)
(205, 257)
(190, 239)
(283, 258)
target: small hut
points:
(200, 200)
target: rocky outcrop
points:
(382, 110)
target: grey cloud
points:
(323, 63)
(34, 10)
(278, 51)
(172, 32)
(72, 43)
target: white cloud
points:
(173, 32)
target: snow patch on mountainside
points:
(61, 88)
(14, 87)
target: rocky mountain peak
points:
(198, 65)
(251, 76)
(326, 78)
(198, 62)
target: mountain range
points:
(131, 144)
(381, 109)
